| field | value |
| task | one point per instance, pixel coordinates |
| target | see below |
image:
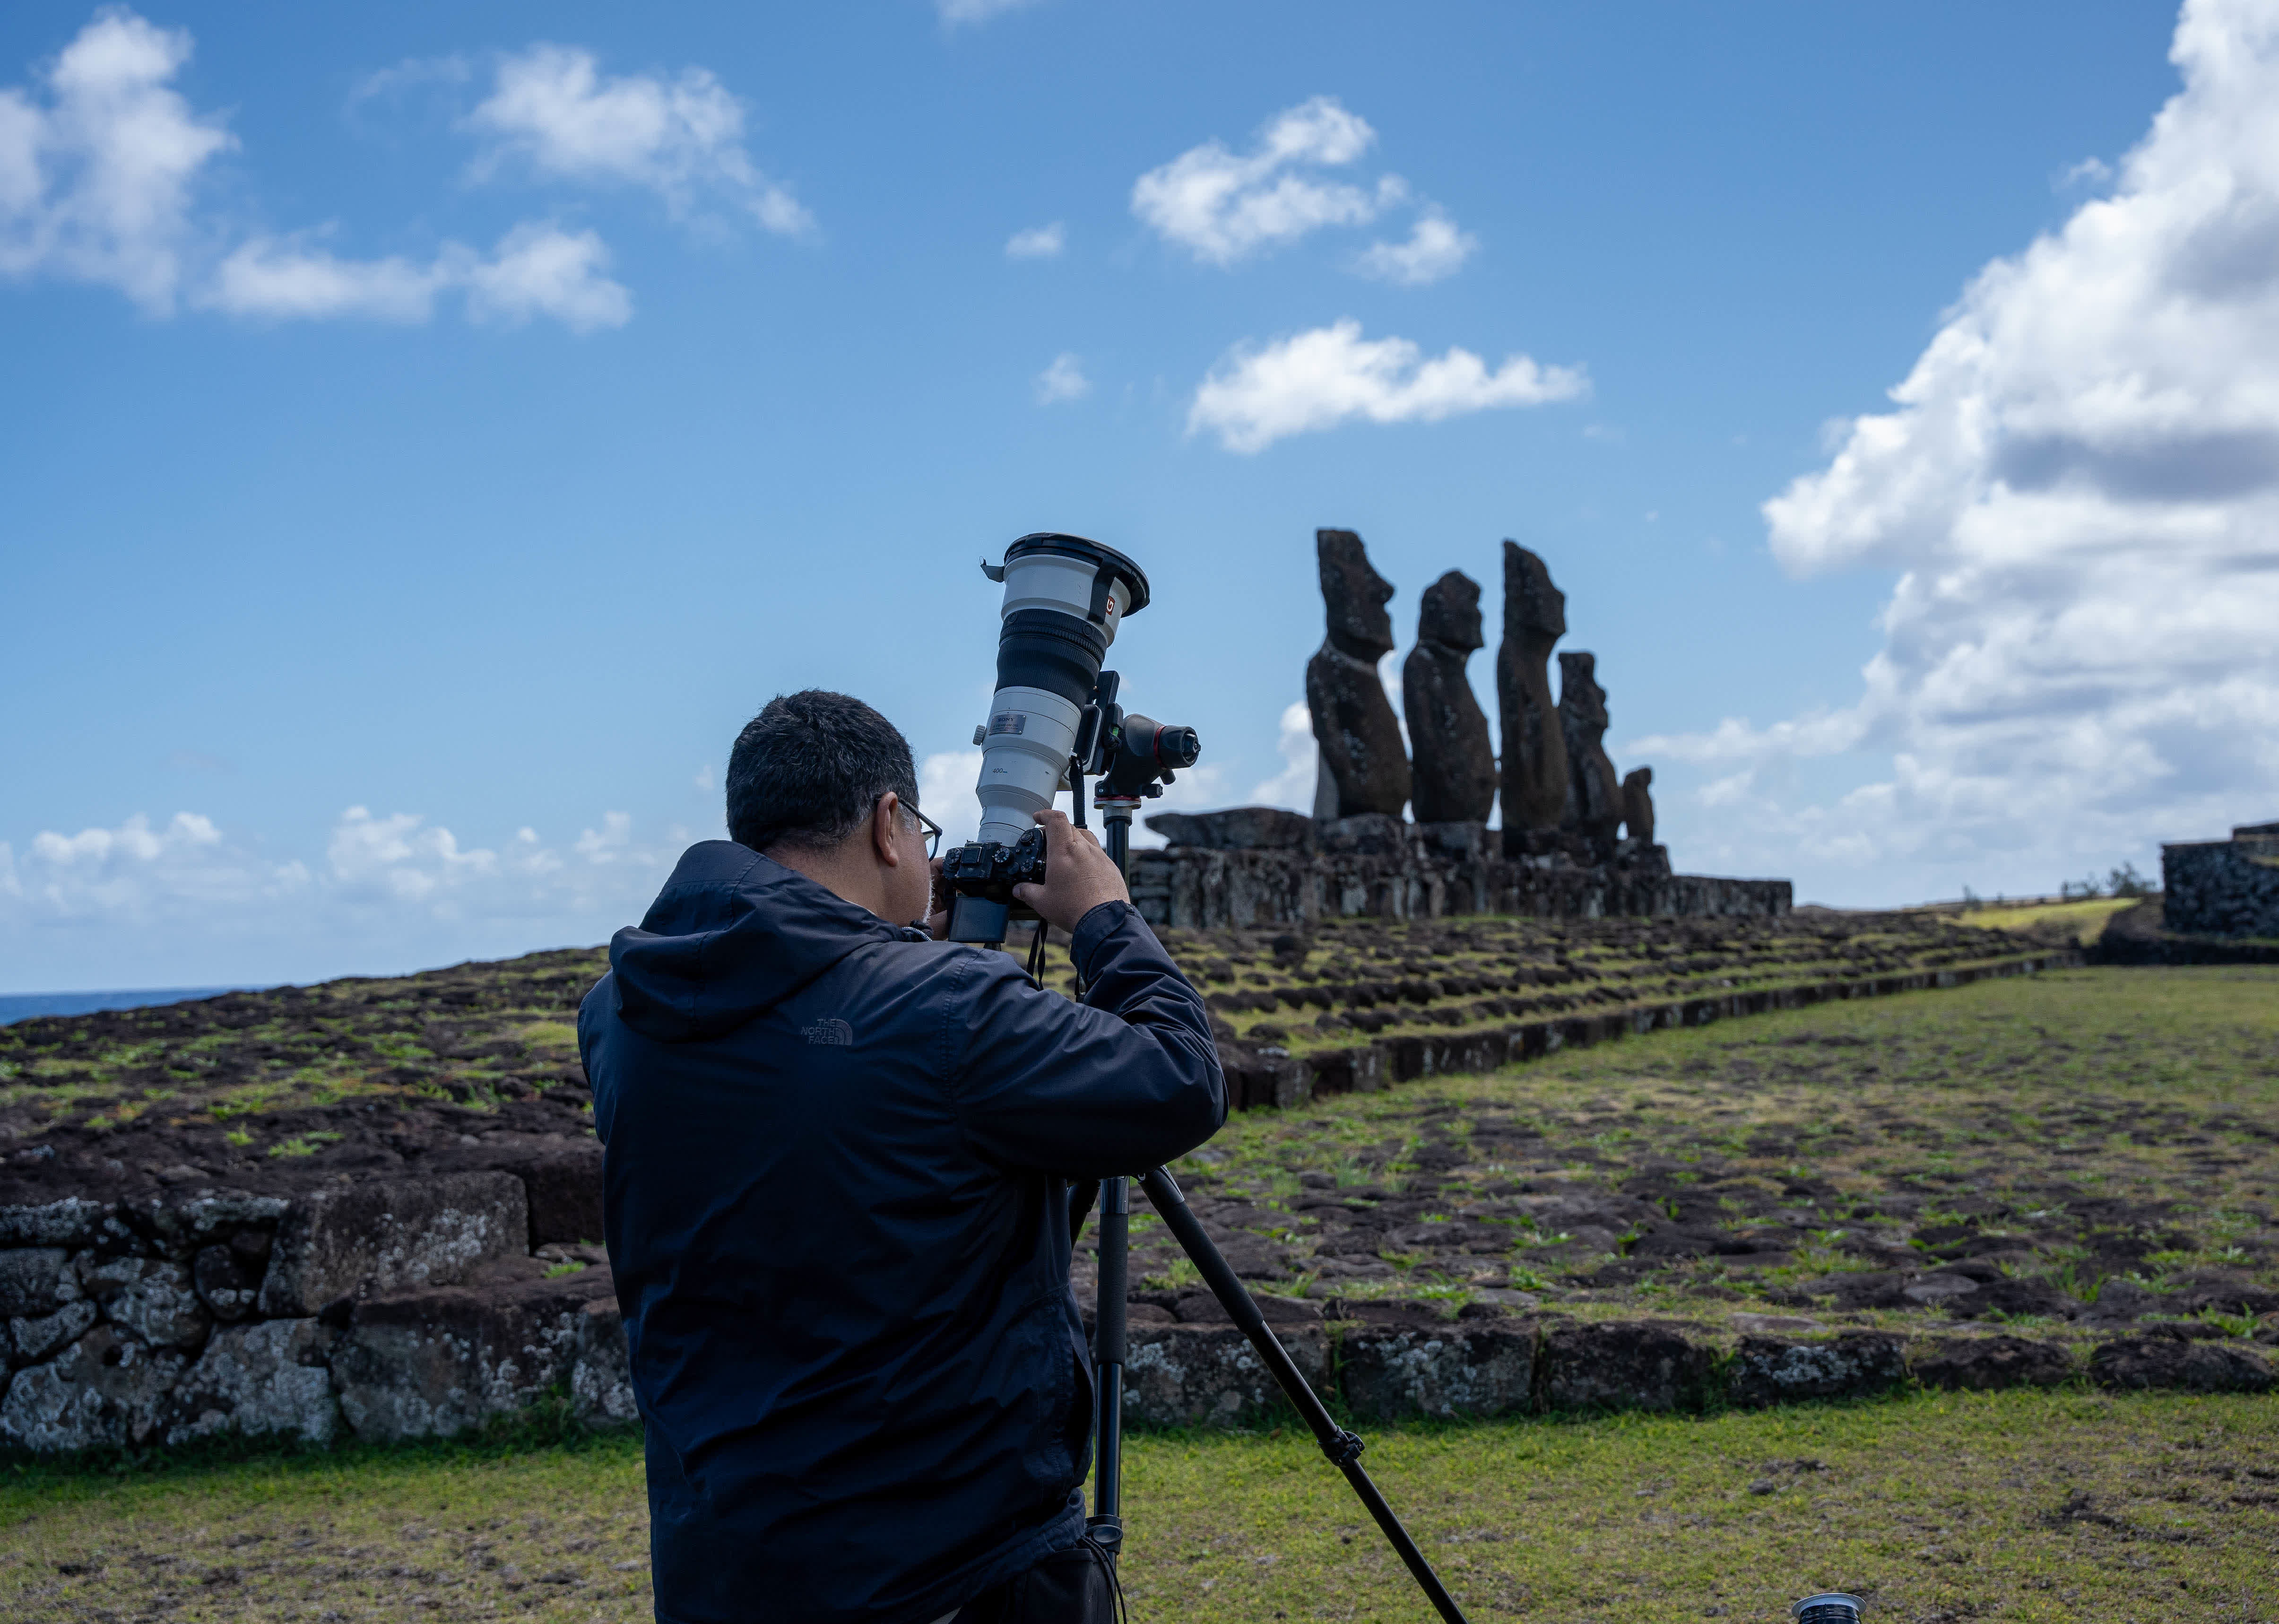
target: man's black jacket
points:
(836, 1211)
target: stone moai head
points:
(1579, 693)
(1449, 613)
(1356, 596)
(1534, 611)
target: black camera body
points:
(981, 877)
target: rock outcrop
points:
(1359, 736)
(1534, 753)
(1453, 770)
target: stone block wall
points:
(1429, 872)
(390, 1309)
(2224, 887)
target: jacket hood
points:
(732, 934)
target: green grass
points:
(2071, 1505)
(2083, 920)
(2080, 1124)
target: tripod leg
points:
(1106, 1523)
(1342, 1447)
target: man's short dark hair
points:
(808, 769)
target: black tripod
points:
(1342, 1447)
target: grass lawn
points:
(2082, 918)
(2071, 1505)
(2072, 1129)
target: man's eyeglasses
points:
(932, 834)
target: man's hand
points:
(1078, 876)
(937, 923)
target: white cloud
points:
(1435, 249)
(1223, 206)
(1063, 381)
(2079, 484)
(384, 874)
(946, 781)
(536, 270)
(286, 280)
(1037, 242)
(953, 13)
(1320, 379)
(542, 271)
(98, 163)
(1293, 785)
(682, 138)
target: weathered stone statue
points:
(1534, 752)
(1353, 724)
(1637, 805)
(1454, 769)
(1594, 794)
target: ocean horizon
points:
(16, 1007)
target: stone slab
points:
(105, 1391)
(434, 1363)
(1440, 1372)
(388, 1235)
(1186, 1375)
(254, 1380)
(1623, 1365)
(1766, 1370)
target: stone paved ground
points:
(2074, 1152)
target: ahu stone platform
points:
(1264, 866)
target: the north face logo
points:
(832, 1031)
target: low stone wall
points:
(2223, 888)
(394, 1309)
(135, 1325)
(1391, 1361)
(1267, 1075)
(1195, 889)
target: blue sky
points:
(430, 432)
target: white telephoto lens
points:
(1064, 597)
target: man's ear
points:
(883, 816)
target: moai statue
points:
(1534, 751)
(1455, 771)
(1637, 805)
(1594, 794)
(1360, 737)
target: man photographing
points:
(836, 1190)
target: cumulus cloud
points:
(1293, 785)
(1063, 381)
(1037, 242)
(1223, 206)
(2079, 484)
(953, 12)
(541, 271)
(99, 160)
(1328, 376)
(536, 270)
(381, 875)
(553, 109)
(1435, 249)
(946, 780)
